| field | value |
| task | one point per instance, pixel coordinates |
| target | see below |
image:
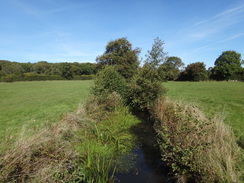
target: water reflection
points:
(147, 165)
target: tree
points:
(120, 54)
(42, 67)
(170, 69)
(194, 72)
(227, 66)
(66, 71)
(156, 55)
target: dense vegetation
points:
(87, 146)
(14, 71)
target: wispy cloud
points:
(233, 37)
(215, 24)
(28, 8)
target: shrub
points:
(196, 148)
(9, 78)
(144, 89)
(107, 81)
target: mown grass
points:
(36, 104)
(213, 97)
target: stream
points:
(147, 166)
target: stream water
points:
(147, 166)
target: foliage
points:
(120, 54)
(107, 81)
(156, 55)
(170, 69)
(224, 97)
(144, 88)
(14, 71)
(195, 147)
(194, 72)
(227, 66)
(66, 71)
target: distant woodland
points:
(15, 71)
(119, 53)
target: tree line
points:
(15, 71)
(119, 53)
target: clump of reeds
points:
(196, 148)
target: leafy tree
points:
(156, 55)
(170, 69)
(120, 54)
(194, 72)
(66, 71)
(42, 67)
(227, 66)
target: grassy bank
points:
(212, 98)
(85, 146)
(38, 103)
(224, 98)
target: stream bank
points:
(145, 159)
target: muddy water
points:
(147, 166)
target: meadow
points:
(36, 104)
(95, 131)
(226, 98)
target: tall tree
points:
(156, 56)
(228, 65)
(119, 53)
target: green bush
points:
(108, 81)
(144, 89)
(83, 77)
(9, 78)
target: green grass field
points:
(212, 98)
(34, 104)
(39, 103)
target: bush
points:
(144, 89)
(9, 78)
(108, 81)
(196, 148)
(83, 77)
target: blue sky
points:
(78, 30)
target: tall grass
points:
(80, 147)
(195, 147)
